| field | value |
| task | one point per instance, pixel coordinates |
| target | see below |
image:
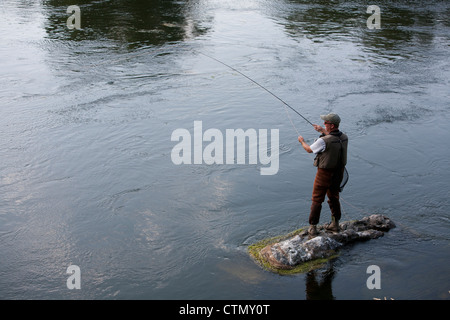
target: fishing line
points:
(261, 86)
(244, 75)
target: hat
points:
(331, 117)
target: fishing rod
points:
(346, 175)
(261, 86)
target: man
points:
(331, 158)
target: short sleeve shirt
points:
(318, 146)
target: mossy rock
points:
(254, 251)
(296, 253)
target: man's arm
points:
(317, 147)
(304, 144)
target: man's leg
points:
(335, 208)
(321, 185)
(333, 201)
(314, 215)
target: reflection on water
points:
(87, 115)
(319, 284)
(130, 23)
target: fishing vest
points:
(335, 154)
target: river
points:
(88, 177)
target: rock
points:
(298, 249)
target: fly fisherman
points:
(330, 160)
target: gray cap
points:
(331, 117)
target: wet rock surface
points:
(300, 248)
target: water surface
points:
(86, 119)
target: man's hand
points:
(319, 128)
(304, 144)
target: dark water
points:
(86, 118)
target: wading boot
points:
(335, 208)
(333, 226)
(312, 231)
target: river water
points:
(87, 115)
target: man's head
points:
(331, 121)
